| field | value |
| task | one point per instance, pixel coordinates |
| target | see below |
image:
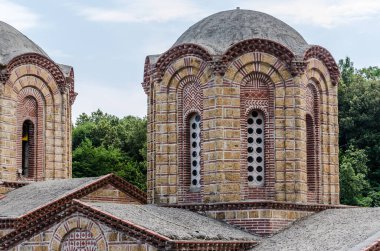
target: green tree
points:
(354, 184)
(103, 143)
(359, 113)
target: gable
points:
(110, 193)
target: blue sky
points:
(107, 41)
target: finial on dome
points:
(238, 8)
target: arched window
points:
(27, 148)
(255, 148)
(195, 150)
(310, 154)
(79, 239)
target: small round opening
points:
(259, 178)
(194, 172)
(194, 125)
(259, 121)
(250, 178)
(194, 144)
(250, 140)
(195, 163)
(197, 118)
(194, 154)
(255, 114)
(195, 182)
(259, 140)
(250, 121)
(250, 149)
(194, 135)
(250, 159)
(259, 150)
(250, 168)
(259, 169)
(259, 159)
(250, 130)
(259, 131)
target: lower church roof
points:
(176, 224)
(333, 229)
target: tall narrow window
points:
(195, 159)
(27, 147)
(310, 155)
(255, 150)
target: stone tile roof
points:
(333, 229)
(176, 224)
(30, 197)
(13, 43)
(219, 31)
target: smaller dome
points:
(220, 31)
(13, 43)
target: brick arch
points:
(189, 102)
(31, 106)
(259, 45)
(177, 52)
(39, 78)
(324, 56)
(258, 62)
(75, 223)
(257, 93)
(183, 68)
(36, 61)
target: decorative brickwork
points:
(37, 91)
(255, 74)
(323, 55)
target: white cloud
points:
(325, 13)
(120, 101)
(142, 11)
(17, 15)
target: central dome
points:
(218, 32)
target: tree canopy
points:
(103, 143)
(359, 134)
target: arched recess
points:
(313, 166)
(257, 96)
(31, 114)
(39, 79)
(262, 79)
(318, 75)
(187, 79)
(78, 224)
(177, 95)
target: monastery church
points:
(242, 149)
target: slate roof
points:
(27, 198)
(219, 31)
(13, 43)
(176, 224)
(333, 229)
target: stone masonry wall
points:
(223, 149)
(52, 124)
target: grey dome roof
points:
(221, 30)
(13, 43)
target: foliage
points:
(359, 125)
(103, 143)
(353, 176)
